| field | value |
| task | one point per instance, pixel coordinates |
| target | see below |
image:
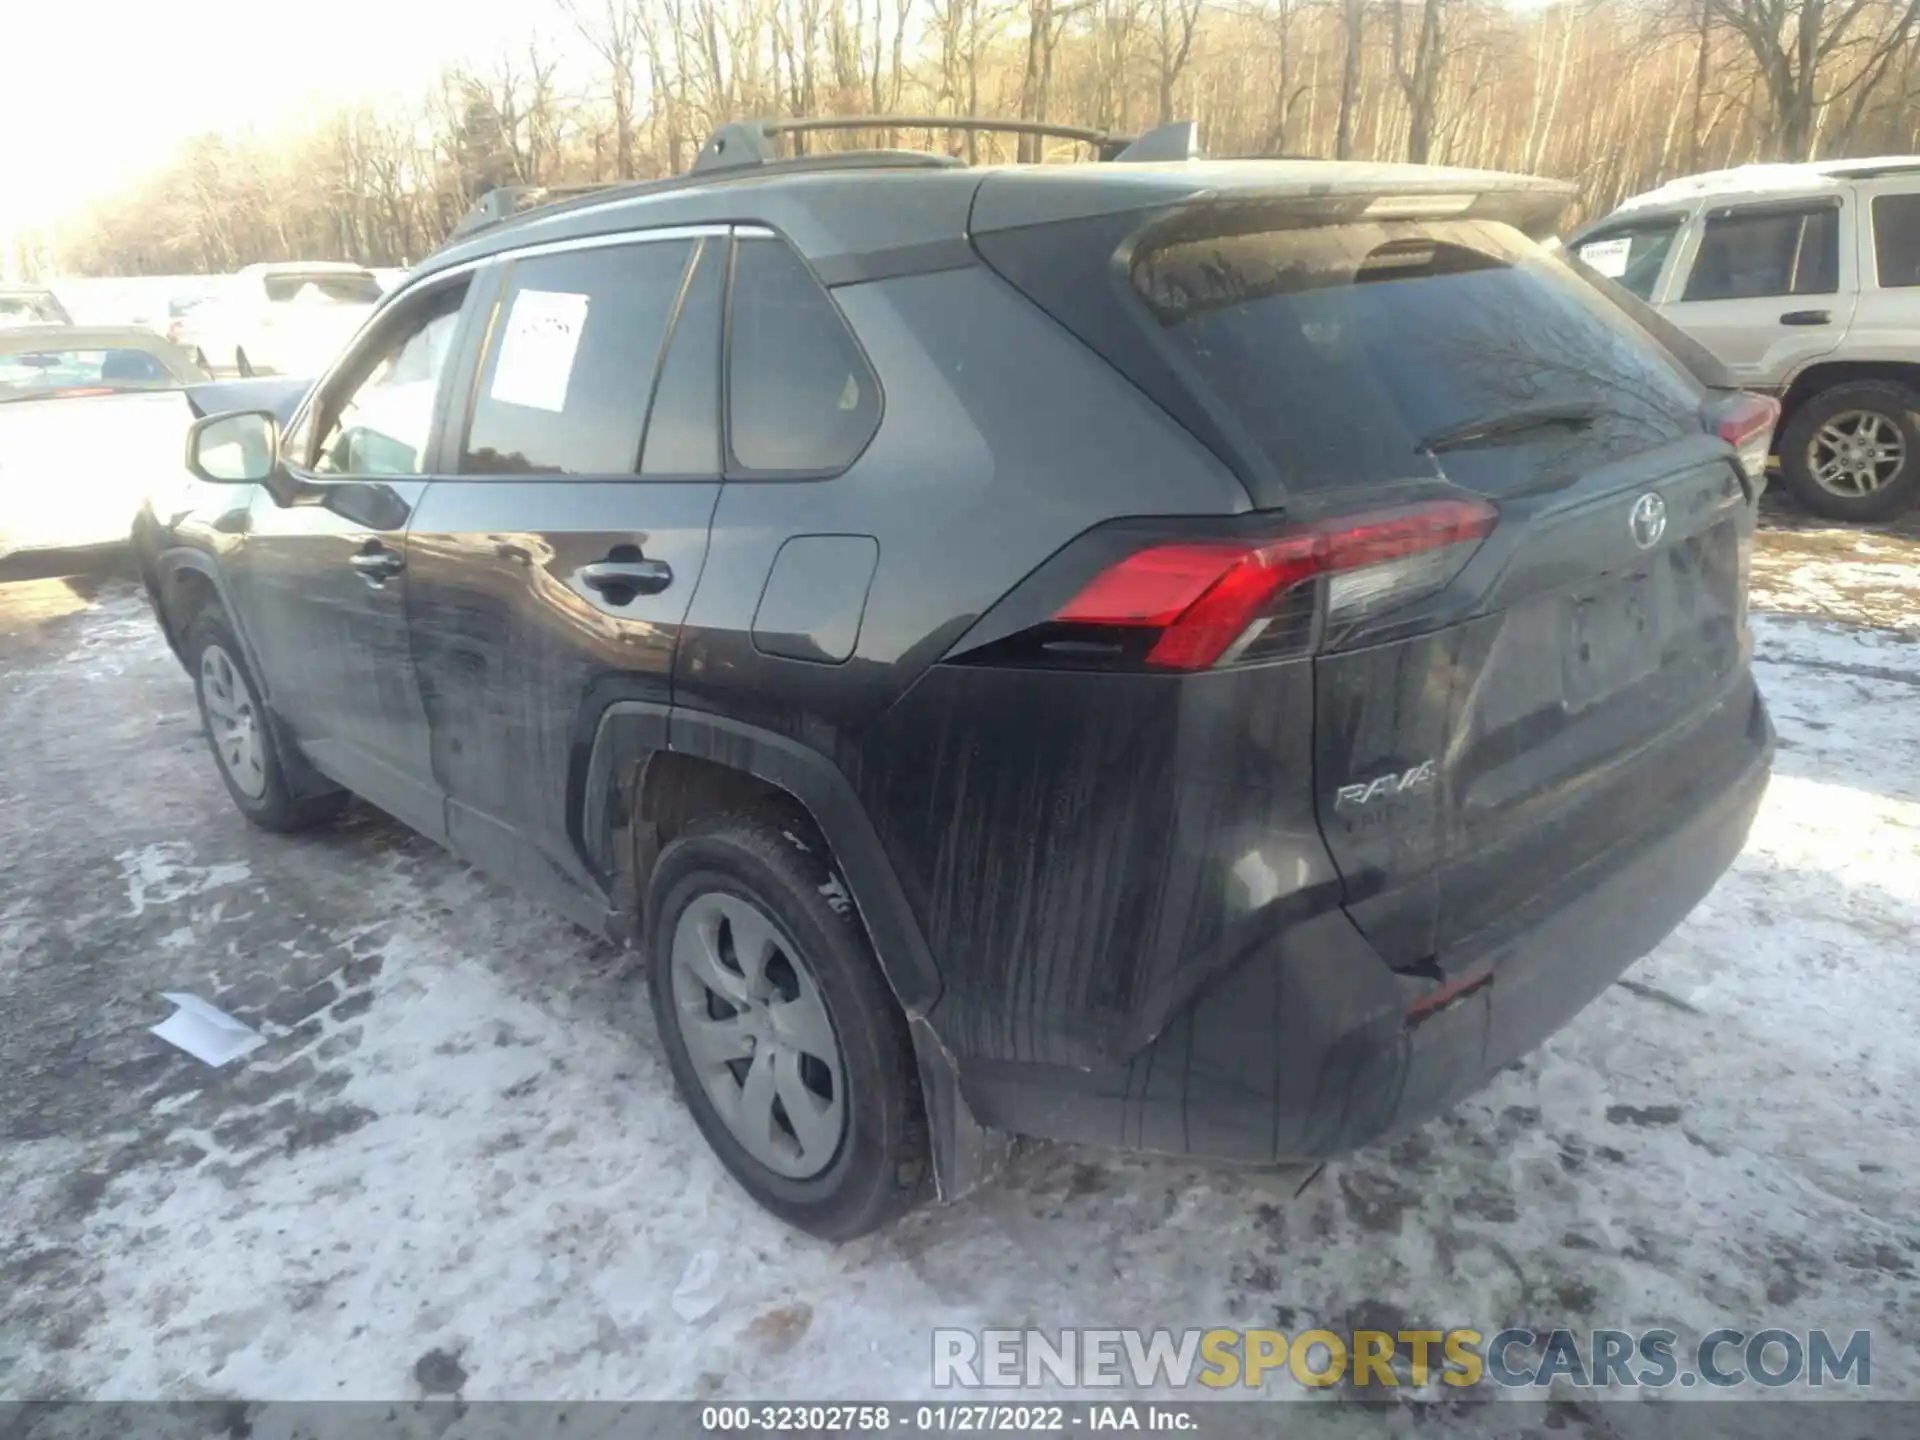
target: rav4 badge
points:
(1399, 782)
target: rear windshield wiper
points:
(1504, 429)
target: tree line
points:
(1614, 95)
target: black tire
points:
(276, 807)
(1894, 404)
(881, 1165)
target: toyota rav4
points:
(1211, 657)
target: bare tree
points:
(1353, 31)
(1794, 43)
(613, 33)
(1175, 23)
(1419, 53)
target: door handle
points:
(1807, 317)
(377, 565)
(621, 580)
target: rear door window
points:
(1750, 254)
(1632, 255)
(801, 397)
(1896, 240)
(1349, 354)
(570, 361)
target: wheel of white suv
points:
(1853, 452)
(781, 1032)
(238, 732)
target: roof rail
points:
(744, 143)
(503, 202)
(749, 144)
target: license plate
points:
(1612, 640)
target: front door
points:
(550, 575)
(325, 580)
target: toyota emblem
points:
(1648, 520)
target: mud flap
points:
(966, 1154)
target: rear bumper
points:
(1314, 1047)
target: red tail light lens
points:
(1215, 602)
(1746, 422)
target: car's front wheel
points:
(1853, 452)
(780, 1030)
(243, 743)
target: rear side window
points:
(1749, 254)
(1896, 240)
(683, 429)
(1632, 255)
(1351, 354)
(570, 361)
(801, 398)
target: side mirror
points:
(242, 448)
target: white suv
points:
(1805, 281)
(281, 318)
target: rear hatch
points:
(1527, 616)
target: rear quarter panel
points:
(1002, 439)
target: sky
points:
(100, 91)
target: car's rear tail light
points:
(1208, 603)
(1746, 422)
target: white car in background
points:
(282, 318)
(92, 419)
(1805, 281)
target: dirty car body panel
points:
(1210, 776)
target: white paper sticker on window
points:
(537, 348)
(1609, 257)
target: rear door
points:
(1887, 324)
(551, 571)
(1770, 287)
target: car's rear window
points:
(50, 371)
(30, 309)
(342, 287)
(1341, 351)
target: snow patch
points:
(161, 874)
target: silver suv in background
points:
(1805, 281)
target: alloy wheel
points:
(758, 1032)
(1856, 453)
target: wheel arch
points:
(183, 583)
(635, 749)
(1824, 375)
(641, 753)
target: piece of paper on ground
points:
(537, 350)
(205, 1031)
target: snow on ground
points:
(460, 1140)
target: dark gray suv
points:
(1215, 657)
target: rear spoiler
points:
(267, 392)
